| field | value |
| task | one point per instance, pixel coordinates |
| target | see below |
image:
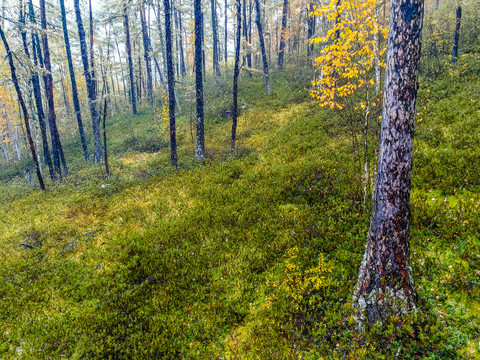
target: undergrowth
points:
(253, 255)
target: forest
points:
(240, 179)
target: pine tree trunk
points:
(266, 77)
(310, 33)
(457, 35)
(24, 109)
(52, 117)
(216, 66)
(281, 50)
(200, 148)
(129, 58)
(37, 93)
(385, 284)
(226, 31)
(160, 34)
(92, 101)
(171, 84)
(92, 54)
(146, 49)
(76, 102)
(236, 72)
(183, 69)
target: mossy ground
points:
(155, 262)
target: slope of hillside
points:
(253, 255)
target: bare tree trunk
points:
(283, 34)
(236, 72)
(56, 145)
(183, 70)
(92, 100)
(457, 35)
(266, 77)
(226, 31)
(216, 66)
(171, 84)
(24, 109)
(92, 54)
(146, 49)
(76, 102)
(385, 283)
(200, 148)
(37, 92)
(129, 58)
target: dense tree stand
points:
(385, 285)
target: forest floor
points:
(253, 255)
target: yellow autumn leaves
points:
(350, 50)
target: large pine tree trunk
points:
(76, 102)
(52, 117)
(266, 77)
(281, 50)
(24, 109)
(200, 148)
(236, 72)
(385, 284)
(92, 101)
(171, 83)
(457, 35)
(146, 49)
(128, 47)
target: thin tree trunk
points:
(216, 66)
(310, 33)
(226, 31)
(129, 58)
(266, 77)
(183, 70)
(283, 34)
(24, 109)
(160, 33)
(457, 35)
(37, 93)
(236, 72)
(385, 283)
(92, 101)
(73, 81)
(146, 49)
(200, 148)
(52, 117)
(92, 54)
(171, 84)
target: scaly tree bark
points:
(236, 72)
(92, 100)
(76, 102)
(266, 77)
(283, 33)
(129, 57)
(24, 109)
(37, 94)
(52, 117)
(171, 84)
(385, 285)
(457, 35)
(200, 148)
(216, 66)
(146, 49)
